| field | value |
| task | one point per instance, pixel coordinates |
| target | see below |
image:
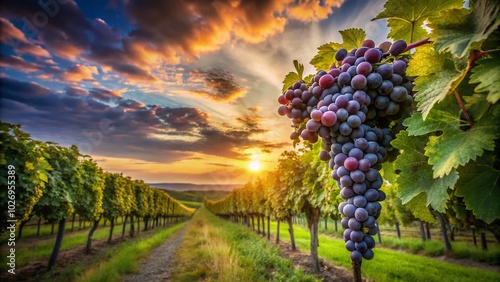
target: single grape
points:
(359, 188)
(356, 256)
(368, 43)
(341, 54)
(372, 55)
(371, 195)
(368, 254)
(349, 210)
(398, 47)
(385, 71)
(326, 81)
(361, 214)
(350, 245)
(373, 80)
(357, 176)
(360, 201)
(329, 118)
(356, 236)
(358, 82)
(351, 163)
(354, 224)
(385, 46)
(361, 246)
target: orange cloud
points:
(311, 11)
(78, 73)
(15, 37)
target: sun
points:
(254, 166)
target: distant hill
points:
(197, 196)
(195, 187)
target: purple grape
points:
(340, 159)
(345, 129)
(349, 210)
(347, 147)
(358, 81)
(341, 101)
(381, 195)
(347, 234)
(371, 195)
(344, 221)
(344, 79)
(350, 59)
(368, 43)
(329, 118)
(341, 54)
(346, 181)
(385, 88)
(336, 148)
(360, 201)
(356, 236)
(361, 143)
(399, 67)
(398, 94)
(396, 79)
(370, 242)
(373, 80)
(372, 56)
(361, 246)
(357, 176)
(324, 156)
(392, 109)
(385, 71)
(356, 256)
(312, 125)
(326, 81)
(350, 245)
(356, 153)
(352, 107)
(346, 193)
(359, 188)
(382, 102)
(398, 47)
(354, 224)
(364, 68)
(357, 133)
(361, 214)
(370, 222)
(351, 163)
(372, 147)
(368, 254)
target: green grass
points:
(390, 265)
(127, 258)
(191, 204)
(218, 250)
(463, 249)
(28, 250)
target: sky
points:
(165, 91)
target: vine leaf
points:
(406, 18)
(460, 30)
(487, 75)
(419, 209)
(416, 174)
(438, 75)
(325, 56)
(456, 147)
(289, 80)
(352, 38)
(479, 184)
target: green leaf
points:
(299, 67)
(456, 147)
(405, 18)
(438, 75)
(479, 184)
(308, 78)
(416, 175)
(289, 80)
(352, 38)
(325, 56)
(436, 120)
(419, 209)
(461, 30)
(487, 75)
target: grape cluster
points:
(352, 108)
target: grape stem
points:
(461, 103)
(480, 54)
(418, 43)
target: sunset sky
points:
(165, 91)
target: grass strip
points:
(389, 265)
(217, 250)
(127, 258)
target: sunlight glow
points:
(254, 165)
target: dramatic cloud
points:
(14, 37)
(150, 133)
(221, 85)
(79, 73)
(18, 63)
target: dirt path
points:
(159, 265)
